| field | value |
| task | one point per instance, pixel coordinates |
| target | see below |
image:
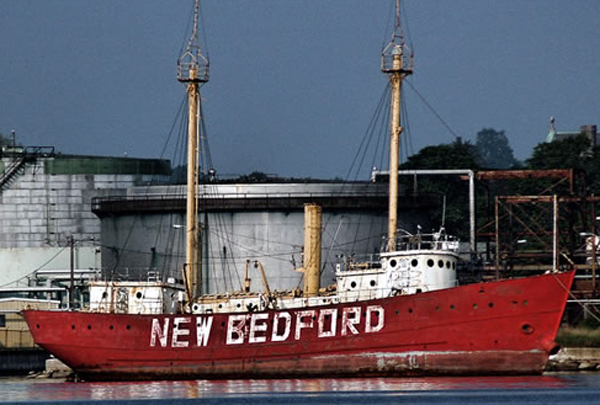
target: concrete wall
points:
(40, 209)
(18, 265)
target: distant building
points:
(142, 229)
(45, 199)
(590, 131)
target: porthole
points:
(138, 295)
(414, 262)
(491, 305)
(89, 327)
(128, 327)
(410, 310)
(353, 284)
(448, 264)
(220, 306)
(452, 307)
(239, 305)
(373, 283)
(37, 325)
(73, 327)
(527, 329)
(440, 263)
(111, 327)
(430, 262)
(104, 295)
(453, 265)
(393, 263)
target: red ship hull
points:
(504, 327)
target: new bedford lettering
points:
(255, 327)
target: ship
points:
(401, 313)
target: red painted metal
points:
(501, 327)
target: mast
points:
(192, 70)
(397, 63)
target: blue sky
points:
(293, 83)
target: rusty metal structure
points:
(554, 228)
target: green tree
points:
(493, 150)
(457, 155)
(569, 153)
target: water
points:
(576, 388)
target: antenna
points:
(192, 65)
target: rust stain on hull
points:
(369, 365)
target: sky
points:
(294, 84)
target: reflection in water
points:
(41, 390)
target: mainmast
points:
(192, 70)
(397, 63)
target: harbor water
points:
(564, 388)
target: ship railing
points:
(359, 262)
(425, 241)
(134, 274)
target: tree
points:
(493, 150)
(457, 155)
(569, 153)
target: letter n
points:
(157, 332)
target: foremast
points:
(397, 63)
(192, 70)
